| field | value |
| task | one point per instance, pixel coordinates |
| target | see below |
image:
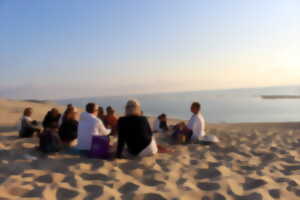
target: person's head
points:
(54, 112)
(69, 106)
(92, 108)
(28, 112)
(195, 107)
(133, 107)
(110, 110)
(162, 117)
(71, 114)
(100, 112)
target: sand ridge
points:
(252, 162)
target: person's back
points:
(68, 130)
(49, 141)
(197, 125)
(135, 132)
(89, 125)
(85, 130)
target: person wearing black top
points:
(69, 127)
(51, 118)
(134, 131)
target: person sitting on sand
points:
(49, 140)
(28, 126)
(52, 117)
(62, 117)
(89, 126)
(135, 132)
(161, 124)
(68, 129)
(195, 129)
(111, 120)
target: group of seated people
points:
(93, 130)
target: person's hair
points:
(70, 106)
(91, 107)
(110, 110)
(54, 111)
(100, 110)
(133, 107)
(196, 105)
(163, 115)
(68, 112)
(27, 111)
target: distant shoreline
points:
(280, 96)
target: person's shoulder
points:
(122, 119)
(199, 117)
(143, 119)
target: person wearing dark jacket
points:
(134, 131)
(51, 118)
(69, 127)
(49, 140)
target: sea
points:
(218, 106)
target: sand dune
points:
(253, 162)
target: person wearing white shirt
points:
(89, 126)
(195, 129)
(197, 123)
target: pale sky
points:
(61, 49)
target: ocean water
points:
(229, 106)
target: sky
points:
(56, 49)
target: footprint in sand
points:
(253, 196)
(71, 180)
(94, 191)
(63, 193)
(153, 196)
(211, 173)
(128, 188)
(275, 193)
(218, 196)
(252, 183)
(95, 177)
(37, 192)
(44, 179)
(207, 186)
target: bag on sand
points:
(209, 139)
(100, 147)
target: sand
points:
(252, 162)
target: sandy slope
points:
(253, 162)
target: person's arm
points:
(102, 130)
(156, 127)
(28, 123)
(121, 142)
